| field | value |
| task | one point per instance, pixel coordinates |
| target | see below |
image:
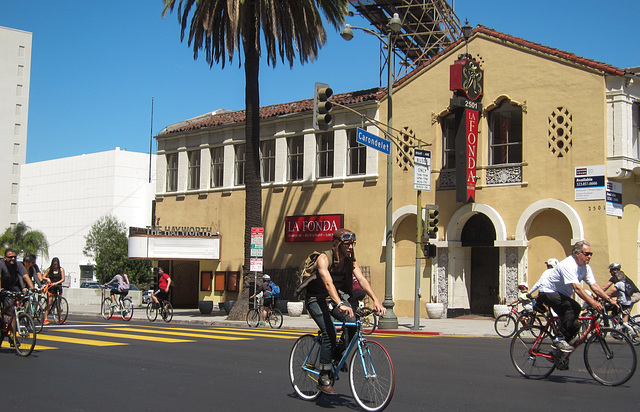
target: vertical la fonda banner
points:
(471, 117)
(466, 156)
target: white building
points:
(15, 73)
(64, 197)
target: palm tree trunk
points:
(252, 180)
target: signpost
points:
(255, 263)
(373, 141)
(422, 169)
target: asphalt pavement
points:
(470, 325)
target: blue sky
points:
(97, 64)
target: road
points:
(90, 365)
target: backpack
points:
(630, 287)
(275, 290)
(306, 273)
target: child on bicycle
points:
(523, 297)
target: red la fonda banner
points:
(471, 119)
(311, 228)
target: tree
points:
(24, 241)
(107, 244)
(222, 27)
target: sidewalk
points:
(464, 325)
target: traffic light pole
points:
(418, 294)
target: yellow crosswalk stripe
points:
(185, 334)
(127, 336)
(68, 339)
(247, 332)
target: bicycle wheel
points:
(36, 312)
(166, 311)
(275, 318)
(152, 312)
(61, 310)
(127, 309)
(369, 319)
(634, 336)
(106, 309)
(610, 357)
(303, 373)
(505, 325)
(531, 353)
(253, 317)
(371, 376)
(24, 337)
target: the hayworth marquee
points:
(174, 243)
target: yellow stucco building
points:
(557, 135)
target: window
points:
(172, 172)
(217, 167)
(295, 158)
(240, 159)
(505, 128)
(356, 155)
(194, 169)
(268, 160)
(449, 129)
(635, 133)
(325, 154)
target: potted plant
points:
(435, 310)
(501, 308)
(294, 308)
(205, 306)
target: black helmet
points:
(615, 266)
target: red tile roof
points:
(226, 117)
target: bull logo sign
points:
(467, 78)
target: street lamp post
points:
(390, 320)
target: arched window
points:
(505, 129)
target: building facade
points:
(64, 197)
(15, 78)
(555, 160)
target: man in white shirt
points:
(562, 282)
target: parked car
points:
(91, 284)
(146, 296)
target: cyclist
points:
(267, 299)
(164, 283)
(561, 282)
(623, 289)
(29, 262)
(334, 271)
(54, 275)
(524, 297)
(122, 285)
(14, 278)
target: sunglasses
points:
(10, 257)
(587, 253)
(347, 237)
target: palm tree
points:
(222, 27)
(22, 239)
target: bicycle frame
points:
(594, 327)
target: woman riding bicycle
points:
(121, 282)
(334, 272)
(54, 275)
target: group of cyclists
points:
(563, 278)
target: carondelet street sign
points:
(371, 140)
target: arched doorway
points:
(479, 234)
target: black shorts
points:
(161, 294)
(56, 290)
(119, 292)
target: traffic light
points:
(432, 221)
(321, 106)
(429, 250)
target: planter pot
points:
(205, 307)
(281, 305)
(221, 305)
(295, 308)
(228, 304)
(500, 310)
(435, 310)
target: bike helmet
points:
(523, 284)
(552, 262)
(266, 278)
(615, 266)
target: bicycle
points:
(163, 307)
(274, 315)
(34, 304)
(371, 373)
(59, 306)
(124, 306)
(609, 356)
(369, 320)
(16, 324)
(631, 329)
(506, 324)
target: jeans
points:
(319, 310)
(568, 310)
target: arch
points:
(530, 213)
(398, 216)
(460, 217)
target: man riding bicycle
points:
(267, 299)
(325, 297)
(564, 280)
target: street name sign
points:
(373, 141)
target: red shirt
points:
(163, 282)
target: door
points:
(484, 279)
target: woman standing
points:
(54, 275)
